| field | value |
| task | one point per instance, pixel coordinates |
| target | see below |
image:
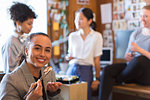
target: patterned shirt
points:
(10, 51)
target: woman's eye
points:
(145, 16)
(48, 50)
(37, 48)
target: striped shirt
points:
(10, 51)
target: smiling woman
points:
(40, 52)
(33, 58)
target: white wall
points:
(40, 6)
(6, 24)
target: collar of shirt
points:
(16, 34)
(82, 32)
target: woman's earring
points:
(19, 28)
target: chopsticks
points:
(47, 70)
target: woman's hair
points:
(22, 55)
(147, 7)
(21, 12)
(88, 13)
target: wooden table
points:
(77, 91)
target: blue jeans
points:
(137, 71)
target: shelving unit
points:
(58, 28)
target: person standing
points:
(23, 17)
(85, 49)
(137, 69)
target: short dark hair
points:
(21, 12)
(29, 38)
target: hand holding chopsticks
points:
(46, 71)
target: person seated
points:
(137, 69)
(32, 60)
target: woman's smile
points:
(40, 60)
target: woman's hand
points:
(134, 47)
(37, 92)
(53, 86)
(68, 57)
(129, 57)
(95, 85)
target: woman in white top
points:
(85, 49)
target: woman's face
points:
(39, 51)
(26, 26)
(82, 21)
(146, 18)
